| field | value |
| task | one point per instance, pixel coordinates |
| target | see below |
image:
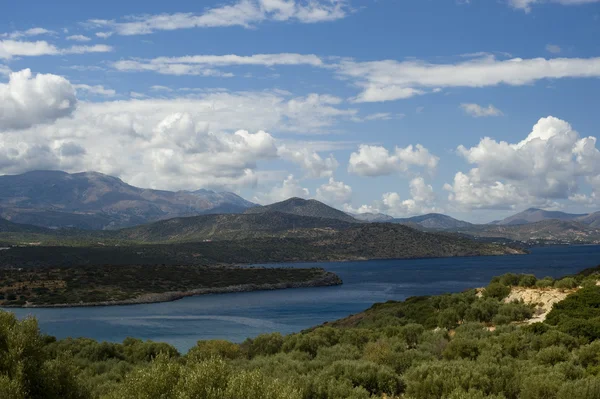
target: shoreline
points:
(329, 279)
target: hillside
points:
(95, 201)
(557, 231)
(233, 227)
(434, 221)
(592, 219)
(372, 217)
(470, 345)
(302, 207)
(534, 215)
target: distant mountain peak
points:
(93, 200)
(436, 221)
(304, 207)
(534, 215)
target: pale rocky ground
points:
(543, 298)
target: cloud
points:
(553, 48)
(311, 162)
(379, 116)
(244, 13)
(211, 139)
(422, 201)
(27, 100)
(13, 48)
(546, 166)
(98, 90)
(28, 33)
(289, 188)
(378, 161)
(393, 80)
(334, 193)
(477, 111)
(204, 65)
(78, 38)
(525, 5)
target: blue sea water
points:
(237, 316)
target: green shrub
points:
(496, 290)
(565, 283)
(545, 282)
(215, 348)
(527, 280)
(552, 355)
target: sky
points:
(473, 108)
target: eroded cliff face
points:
(543, 299)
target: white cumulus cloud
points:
(290, 187)
(373, 160)
(311, 162)
(548, 165)
(422, 200)
(27, 100)
(334, 193)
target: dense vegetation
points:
(99, 284)
(359, 242)
(468, 345)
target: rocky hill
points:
(534, 215)
(554, 231)
(302, 207)
(434, 221)
(233, 227)
(96, 201)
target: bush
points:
(376, 379)
(527, 280)
(216, 348)
(545, 282)
(496, 290)
(566, 283)
(449, 319)
(588, 388)
(462, 348)
(552, 355)
(265, 344)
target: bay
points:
(237, 316)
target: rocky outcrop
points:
(543, 299)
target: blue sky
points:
(473, 108)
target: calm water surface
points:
(238, 316)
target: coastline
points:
(327, 280)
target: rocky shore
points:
(325, 280)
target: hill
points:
(470, 345)
(592, 219)
(233, 227)
(553, 231)
(533, 215)
(434, 221)
(371, 217)
(302, 207)
(96, 201)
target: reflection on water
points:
(240, 315)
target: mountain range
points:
(96, 201)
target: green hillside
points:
(302, 207)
